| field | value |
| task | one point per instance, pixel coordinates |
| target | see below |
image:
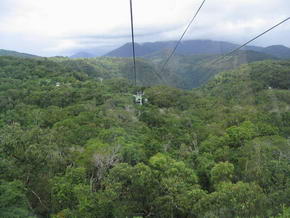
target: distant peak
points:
(277, 46)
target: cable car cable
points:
(245, 44)
(185, 31)
(133, 43)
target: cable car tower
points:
(139, 96)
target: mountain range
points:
(82, 55)
(163, 49)
(195, 47)
(192, 66)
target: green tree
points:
(13, 202)
(222, 172)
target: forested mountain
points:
(73, 143)
(97, 68)
(16, 54)
(248, 80)
(183, 71)
(196, 70)
(279, 51)
(195, 47)
(190, 47)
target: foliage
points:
(73, 143)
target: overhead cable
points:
(178, 42)
(133, 43)
(248, 42)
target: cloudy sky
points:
(63, 27)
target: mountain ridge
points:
(82, 55)
(195, 47)
(4, 52)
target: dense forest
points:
(73, 143)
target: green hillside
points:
(251, 80)
(73, 145)
(196, 70)
(16, 54)
(182, 71)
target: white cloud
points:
(51, 27)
